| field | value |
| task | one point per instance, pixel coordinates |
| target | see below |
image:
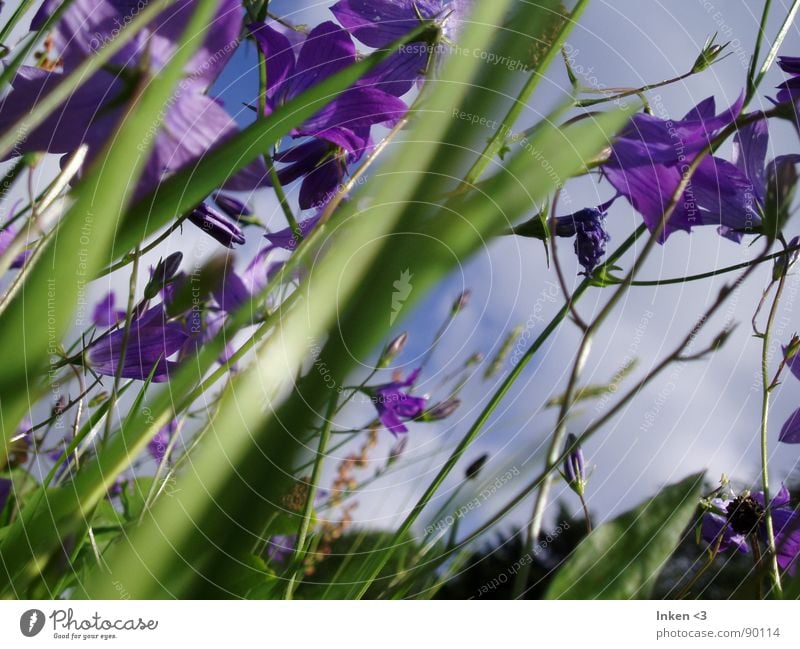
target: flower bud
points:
(391, 350)
(708, 55)
(441, 410)
(461, 301)
(474, 469)
(574, 467)
(163, 273)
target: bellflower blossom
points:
(378, 23)
(651, 155)
(193, 123)
(339, 132)
(395, 405)
(744, 516)
(216, 225)
(151, 340)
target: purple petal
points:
(104, 314)
(377, 23)
(750, 154)
(790, 432)
(327, 50)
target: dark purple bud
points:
(574, 468)
(232, 207)
(391, 350)
(216, 225)
(474, 469)
(164, 272)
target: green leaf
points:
(134, 496)
(622, 559)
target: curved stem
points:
(766, 382)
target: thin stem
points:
(776, 45)
(628, 92)
(766, 382)
(127, 259)
(484, 417)
(751, 72)
(123, 347)
(614, 410)
(586, 515)
(308, 511)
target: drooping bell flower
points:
(151, 340)
(737, 520)
(216, 225)
(586, 225)
(193, 123)
(340, 130)
(233, 207)
(395, 405)
(649, 158)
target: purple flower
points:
(157, 447)
(744, 516)
(237, 289)
(590, 235)
(104, 314)
(216, 225)
(574, 466)
(152, 339)
(280, 547)
(286, 238)
(789, 90)
(340, 130)
(5, 492)
(378, 23)
(586, 225)
(234, 208)
(7, 237)
(651, 155)
(194, 122)
(790, 432)
(395, 405)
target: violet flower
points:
(340, 130)
(789, 90)
(233, 207)
(651, 155)
(157, 447)
(193, 123)
(104, 314)
(790, 432)
(744, 516)
(216, 225)
(378, 23)
(395, 405)
(152, 339)
(5, 492)
(575, 466)
(286, 238)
